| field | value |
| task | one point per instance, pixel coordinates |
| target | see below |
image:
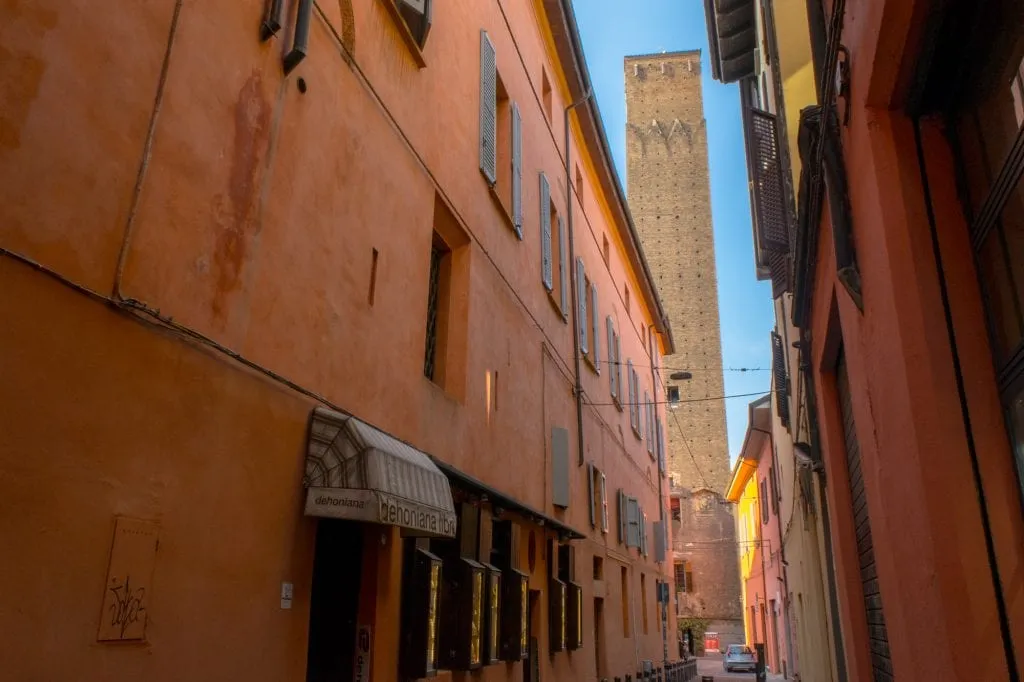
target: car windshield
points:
(736, 650)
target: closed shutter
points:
(632, 393)
(661, 445)
(604, 504)
(878, 637)
(595, 351)
(781, 379)
(517, 177)
(545, 233)
(649, 423)
(618, 370)
(590, 494)
(563, 269)
(769, 197)
(633, 518)
(611, 358)
(581, 304)
(488, 110)
(643, 532)
(623, 517)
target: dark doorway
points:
(334, 601)
(599, 637)
(531, 666)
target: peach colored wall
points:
(248, 211)
(925, 520)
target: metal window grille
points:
(433, 289)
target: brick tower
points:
(670, 198)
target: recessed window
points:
(624, 587)
(417, 16)
(643, 600)
(606, 250)
(598, 568)
(673, 394)
(446, 309)
(546, 96)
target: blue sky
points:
(612, 29)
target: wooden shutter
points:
(545, 233)
(878, 636)
(632, 393)
(488, 109)
(581, 304)
(781, 379)
(623, 517)
(649, 423)
(595, 351)
(661, 445)
(643, 531)
(517, 178)
(604, 504)
(590, 494)
(611, 357)
(618, 371)
(563, 269)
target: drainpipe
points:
(574, 284)
(661, 502)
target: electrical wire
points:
(686, 442)
(689, 400)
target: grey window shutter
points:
(517, 177)
(623, 517)
(611, 356)
(488, 109)
(596, 331)
(563, 269)
(649, 423)
(590, 494)
(633, 513)
(581, 303)
(559, 467)
(661, 445)
(629, 380)
(660, 541)
(545, 232)
(604, 504)
(618, 370)
(643, 532)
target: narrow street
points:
(712, 665)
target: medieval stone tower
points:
(670, 198)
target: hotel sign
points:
(373, 506)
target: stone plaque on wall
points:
(127, 591)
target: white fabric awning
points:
(355, 471)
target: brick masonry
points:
(670, 198)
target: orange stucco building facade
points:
(909, 219)
(298, 300)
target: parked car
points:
(739, 658)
